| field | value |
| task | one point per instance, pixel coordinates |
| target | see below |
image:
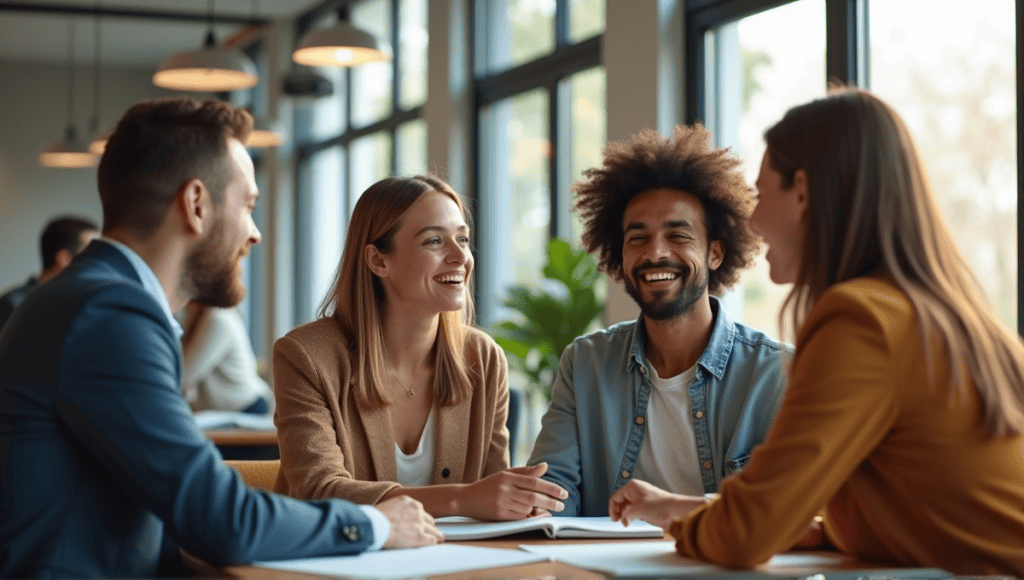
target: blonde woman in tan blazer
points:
(391, 391)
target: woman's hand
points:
(512, 494)
(641, 500)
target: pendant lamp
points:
(69, 152)
(341, 45)
(265, 133)
(99, 138)
(212, 68)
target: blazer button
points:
(446, 472)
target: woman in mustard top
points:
(901, 425)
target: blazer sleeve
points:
(840, 404)
(497, 375)
(312, 461)
(118, 392)
(558, 442)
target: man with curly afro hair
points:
(679, 397)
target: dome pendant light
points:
(341, 45)
(69, 152)
(211, 69)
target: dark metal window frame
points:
(306, 150)
(846, 59)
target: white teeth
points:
(660, 276)
(453, 279)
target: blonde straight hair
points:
(357, 299)
(871, 211)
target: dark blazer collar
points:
(101, 251)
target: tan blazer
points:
(331, 446)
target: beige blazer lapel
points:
(382, 449)
(450, 442)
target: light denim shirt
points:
(592, 432)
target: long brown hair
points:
(357, 299)
(871, 211)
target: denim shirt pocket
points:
(734, 465)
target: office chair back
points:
(257, 474)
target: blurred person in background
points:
(61, 240)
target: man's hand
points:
(512, 494)
(411, 527)
(643, 501)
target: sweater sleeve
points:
(841, 402)
(312, 462)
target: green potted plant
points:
(548, 321)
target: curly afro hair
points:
(686, 162)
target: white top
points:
(221, 372)
(668, 455)
(417, 469)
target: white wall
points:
(33, 99)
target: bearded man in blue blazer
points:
(99, 453)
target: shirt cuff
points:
(380, 525)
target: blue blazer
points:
(99, 451)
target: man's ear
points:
(375, 261)
(196, 206)
(63, 257)
(716, 253)
(802, 190)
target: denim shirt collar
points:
(716, 354)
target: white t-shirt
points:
(668, 455)
(417, 469)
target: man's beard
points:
(663, 306)
(212, 270)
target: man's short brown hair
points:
(685, 162)
(160, 145)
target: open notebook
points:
(461, 528)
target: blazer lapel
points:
(382, 448)
(450, 442)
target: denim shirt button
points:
(707, 465)
(625, 474)
(639, 420)
(699, 414)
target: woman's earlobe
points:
(375, 260)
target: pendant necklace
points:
(409, 390)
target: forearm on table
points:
(438, 500)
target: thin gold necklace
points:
(409, 390)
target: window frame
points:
(847, 59)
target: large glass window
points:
(541, 93)
(952, 78)
(755, 75)
(360, 134)
(516, 213)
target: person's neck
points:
(47, 274)
(676, 344)
(165, 255)
(409, 338)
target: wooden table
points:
(245, 443)
(236, 437)
(538, 570)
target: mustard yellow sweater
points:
(903, 469)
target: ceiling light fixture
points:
(99, 138)
(69, 152)
(212, 68)
(341, 45)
